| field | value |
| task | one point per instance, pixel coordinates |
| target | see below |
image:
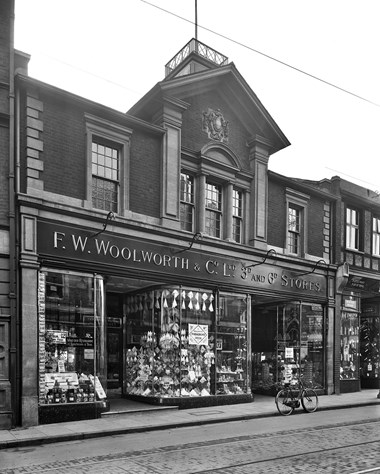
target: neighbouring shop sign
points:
(358, 283)
(198, 334)
(76, 244)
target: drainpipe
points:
(13, 359)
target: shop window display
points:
(172, 342)
(231, 346)
(286, 337)
(71, 323)
(349, 346)
(370, 350)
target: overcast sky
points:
(113, 52)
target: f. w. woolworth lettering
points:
(55, 240)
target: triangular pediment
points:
(233, 91)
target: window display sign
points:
(80, 342)
(98, 387)
(57, 337)
(198, 334)
(289, 353)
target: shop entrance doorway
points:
(114, 311)
(286, 336)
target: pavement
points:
(126, 416)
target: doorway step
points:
(120, 406)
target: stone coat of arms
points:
(214, 124)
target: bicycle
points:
(289, 398)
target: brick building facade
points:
(157, 257)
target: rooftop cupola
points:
(192, 58)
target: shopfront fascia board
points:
(62, 242)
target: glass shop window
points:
(349, 346)
(312, 347)
(370, 349)
(231, 345)
(287, 337)
(71, 338)
(172, 344)
(170, 339)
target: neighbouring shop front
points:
(360, 340)
(167, 326)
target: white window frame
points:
(98, 129)
(376, 236)
(352, 228)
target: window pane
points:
(102, 156)
(104, 194)
(187, 202)
(294, 227)
(187, 188)
(231, 346)
(186, 217)
(237, 203)
(213, 196)
(293, 242)
(312, 346)
(212, 224)
(352, 229)
(376, 236)
(294, 219)
(236, 229)
(213, 206)
(237, 213)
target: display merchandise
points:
(349, 345)
(370, 350)
(287, 336)
(173, 345)
(70, 340)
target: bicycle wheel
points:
(283, 399)
(309, 400)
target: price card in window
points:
(198, 334)
(289, 353)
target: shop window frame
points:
(166, 313)
(53, 288)
(286, 354)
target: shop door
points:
(114, 305)
(114, 358)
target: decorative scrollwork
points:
(215, 125)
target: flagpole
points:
(196, 20)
